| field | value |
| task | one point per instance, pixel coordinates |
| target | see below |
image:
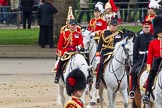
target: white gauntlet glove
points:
(78, 48)
(98, 59)
(93, 34)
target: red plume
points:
(114, 8)
(72, 82)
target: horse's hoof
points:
(92, 103)
(98, 100)
(126, 105)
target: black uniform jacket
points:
(141, 45)
(108, 41)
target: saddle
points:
(96, 38)
(68, 55)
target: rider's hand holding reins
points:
(98, 57)
(148, 68)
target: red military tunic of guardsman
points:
(68, 40)
(155, 50)
(97, 24)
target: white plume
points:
(154, 4)
(100, 6)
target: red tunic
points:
(150, 18)
(68, 40)
(74, 103)
(97, 25)
(154, 50)
(4, 2)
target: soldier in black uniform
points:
(106, 45)
(139, 53)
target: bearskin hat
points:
(75, 81)
(157, 25)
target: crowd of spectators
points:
(84, 6)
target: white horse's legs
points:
(125, 97)
(110, 97)
(61, 97)
(100, 91)
(94, 93)
(84, 93)
(158, 106)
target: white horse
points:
(90, 47)
(157, 91)
(77, 61)
(115, 75)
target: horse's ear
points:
(130, 40)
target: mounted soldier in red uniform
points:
(69, 40)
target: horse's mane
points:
(128, 33)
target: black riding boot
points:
(146, 97)
(59, 72)
(99, 75)
(134, 83)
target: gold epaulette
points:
(70, 104)
(90, 23)
(120, 31)
(103, 18)
(79, 26)
(63, 28)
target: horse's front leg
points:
(84, 93)
(110, 97)
(93, 93)
(124, 93)
(101, 96)
(61, 97)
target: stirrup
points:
(132, 94)
(97, 85)
(146, 99)
(56, 80)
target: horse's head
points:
(124, 50)
(86, 39)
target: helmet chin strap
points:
(160, 38)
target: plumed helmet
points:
(107, 5)
(157, 25)
(154, 4)
(75, 81)
(70, 15)
(99, 5)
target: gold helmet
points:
(70, 15)
(108, 5)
